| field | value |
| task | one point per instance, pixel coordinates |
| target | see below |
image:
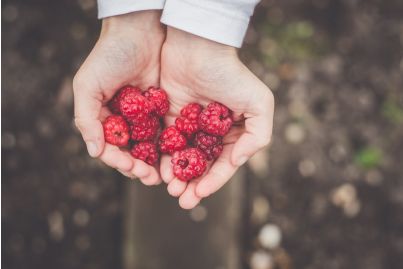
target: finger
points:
(166, 171)
(189, 198)
(147, 174)
(116, 158)
(87, 107)
(176, 187)
(258, 129)
(220, 172)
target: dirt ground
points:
(327, 194)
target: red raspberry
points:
(188, 164)
(144, 130)
(145, 151)
(116, 130)
(171, 140)
(133, 105)
(210, 145)
(160, 99)
(114, 102)
(187, 122)
(215, 119)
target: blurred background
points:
(327, 194)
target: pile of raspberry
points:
(194, 139)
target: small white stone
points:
(199, 213)
(261, 260)
(352, 209)
(374, 177)
(344, 194)
(270, 236)
(258, 163)
(345, 197)
(81, 217)
(337, 153)
(56, 226)
(261, 209)
(294, 133)
(307, 168)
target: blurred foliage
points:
(295, 41)
(392, 111)
(369, 157)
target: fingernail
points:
(92, 149)
(126, 174)
(242, 160)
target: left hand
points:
(194, 69)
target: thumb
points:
(258, 129)
(87, 108)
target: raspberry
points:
(160, 99)
(215, 119)
(210, 145)
(187, 122)
(188, 164)
(144, 129)
(133, 105)
(171, 140)
(145, 151)
(114, 102)
(116, 130)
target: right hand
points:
(127, 52)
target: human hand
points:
(127, 52)
(194, 69)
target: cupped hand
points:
(127, 52)
(194, 69)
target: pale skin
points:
(190, 69)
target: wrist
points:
(191, 45)
(145, 22)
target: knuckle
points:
(78, 82)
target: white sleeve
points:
(223, 21)
(107, 8)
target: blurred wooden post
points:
(159, 234)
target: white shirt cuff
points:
(107, 8)
(214, 20)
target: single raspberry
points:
(210, 145)
(160, 99)
(144, 129)
(114, 102)
(133, 105)
(215, 119)
(188, 164)
(145, 151)
(187, 122)
(116, 130)
(171, 140)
